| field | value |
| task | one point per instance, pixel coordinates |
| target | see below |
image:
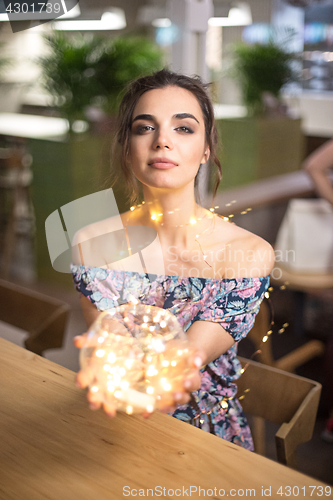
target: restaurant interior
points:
(57, 123)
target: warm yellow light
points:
(100, 353)
(111, 357)
(193, 221)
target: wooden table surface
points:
(52, 446)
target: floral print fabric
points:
(233, 303)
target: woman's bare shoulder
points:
(99, 228)
(245, 252)
(86, 240)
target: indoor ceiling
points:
(94, 8)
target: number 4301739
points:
(305, 491)
(23, 8)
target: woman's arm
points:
(211, 339)
(90, 311)
(317, 166)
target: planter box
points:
(63, 172)
(258, 148)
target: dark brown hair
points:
(136, 89)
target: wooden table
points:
(54, 447)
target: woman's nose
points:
(163, 140)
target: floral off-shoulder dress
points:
(233, 303)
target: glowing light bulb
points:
(127, 370)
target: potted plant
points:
(82, 71)
(262, 70)
(267, 142)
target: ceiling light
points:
(111, 20)
(74, 12)
(162, 22)
(239, 15)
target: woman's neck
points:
(176, 220)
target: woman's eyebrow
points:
(143, 117)
(181, 116)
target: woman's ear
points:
(206, 156)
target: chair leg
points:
(258, 434)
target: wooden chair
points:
(43, 317)
(290, 361)
(283, 398)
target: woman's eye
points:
(144, 128)
(187, 130)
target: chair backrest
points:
(261, 326)
(283, 398)
(288, 362)
(43, 317)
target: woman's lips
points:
(162, 163)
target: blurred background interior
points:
(271, 67)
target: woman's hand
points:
(84, 377)
(191, 382)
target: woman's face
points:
(167, 141)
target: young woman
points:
(215, 273)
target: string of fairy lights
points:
(156, 374)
